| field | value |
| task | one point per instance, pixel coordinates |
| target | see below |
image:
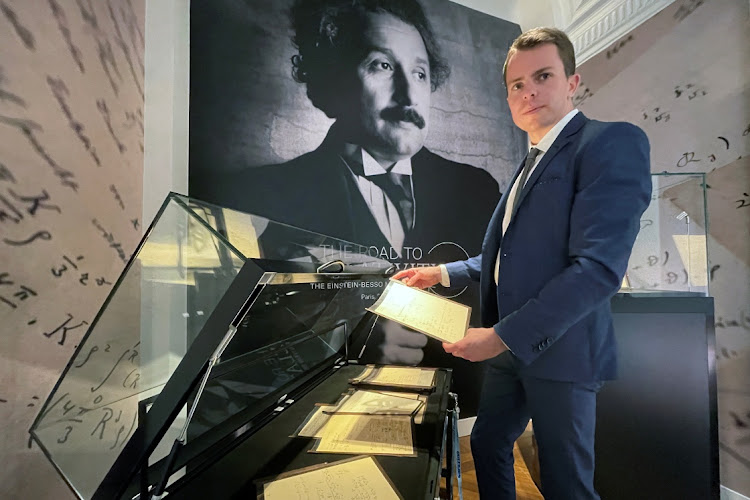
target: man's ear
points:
(573, 82)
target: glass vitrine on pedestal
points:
(221, 323)
(670, 252)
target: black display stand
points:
(657, 430)
(217, 340)
(270, 451)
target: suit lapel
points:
(566, 135)
(492, 237)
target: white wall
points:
(167, 74)
(526, 13)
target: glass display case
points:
(670, 252)
(218, 319)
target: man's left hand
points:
(478, 344)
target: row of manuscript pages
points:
(368, 420)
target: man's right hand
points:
(419, 277)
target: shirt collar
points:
(551, 135)
(363, 164)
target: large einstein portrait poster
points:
(379, 122)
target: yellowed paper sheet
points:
(367, 434)
(348, 480)
(377, 403)
(425, 312)
(399, 376)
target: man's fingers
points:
(450, 348)
(457, 349)
(414, 281)
(417, 281)
(419, 277)
(406, 273)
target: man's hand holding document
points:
(475, 344)
(431, 314)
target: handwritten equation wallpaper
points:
(683, 77)
(71, 167)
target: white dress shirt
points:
(362, 165)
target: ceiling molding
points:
(594, 25)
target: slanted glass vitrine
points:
(217, 318)
(670, 252)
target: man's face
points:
(539, 93)
(393, 89)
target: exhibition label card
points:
(431, 314)
(354, 479)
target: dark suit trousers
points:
(564, 418)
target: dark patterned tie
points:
(533, 153)
(397, 187)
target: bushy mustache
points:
(401, 114)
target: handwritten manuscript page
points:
(435, 316)
(397, 376)
(357, 479)
(367, 434)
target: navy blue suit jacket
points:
(565, 252)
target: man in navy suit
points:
(554, 253)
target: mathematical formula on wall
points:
(71, 156)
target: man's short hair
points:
(326, 34)
(540, 36)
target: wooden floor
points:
(525, 487)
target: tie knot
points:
(533, 153)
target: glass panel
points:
(297, 323)
(155, 311)
(670, 252)
(258, 237)
(158, 308)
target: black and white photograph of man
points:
(392, 122)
